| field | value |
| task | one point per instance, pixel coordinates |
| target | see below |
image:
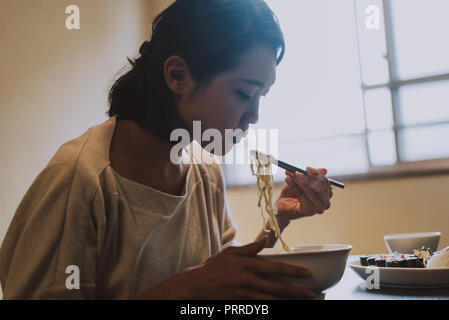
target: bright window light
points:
(350, 98)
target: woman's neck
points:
(145, 158)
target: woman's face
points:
(231, 101)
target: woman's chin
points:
(221, 151)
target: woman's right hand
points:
(233, 273)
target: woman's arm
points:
(233, 273)
(49, 249)
(270, 234)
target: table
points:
(352, 287)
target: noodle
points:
(265, 191)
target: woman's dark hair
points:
(211, 36)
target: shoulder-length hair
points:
(211, 36)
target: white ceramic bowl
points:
(327, 263)
(406, 242)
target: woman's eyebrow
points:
(254, 82)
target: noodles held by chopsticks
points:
(261, 168)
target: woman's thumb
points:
(252, 248)
(322, 171)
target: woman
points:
(113, 216)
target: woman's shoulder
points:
(87, 151)
(80, 161)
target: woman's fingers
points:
(322, 171)
(322, 187)
(311, 172)
(319, 175)
(292, 184)
(314, 191)
(248, 249)
(289, 173)
(314, 185)
(305, 204)
(259, 265)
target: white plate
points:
(406, 277)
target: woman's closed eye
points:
(243, 96)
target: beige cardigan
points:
(123, 237)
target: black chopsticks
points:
(293, 169)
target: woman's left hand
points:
(304, 196)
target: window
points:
(358, 98)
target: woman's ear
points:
(177, 76)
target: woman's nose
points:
(253, 114)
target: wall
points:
(53, 82)
(360, 215)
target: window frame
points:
(401, 167)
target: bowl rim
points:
(330, 248)
(412, 235)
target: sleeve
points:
(49, 251)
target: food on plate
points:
(371, 261)
(439, 259)
(423, 253)
(363, 260)
(261, 168)
(395, 262)
(380, 261)
(413, 262)
(400, 260)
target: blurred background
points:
(363, 91)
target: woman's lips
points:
(241, 135)
(244, 128)
(238, 133)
